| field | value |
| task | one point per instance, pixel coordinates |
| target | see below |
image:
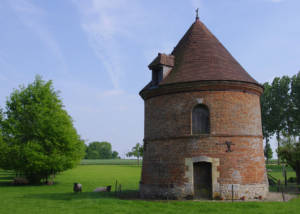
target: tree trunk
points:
(278, 145)
(267, 156)
(138, 157)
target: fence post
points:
(120, 189)
(116, 188)
(282, 192)
(168, 192)
(278, 185)
(284, 174)
(232, 193)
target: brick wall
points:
(231, 113)
(234, 116)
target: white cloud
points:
(106, 23)
(276, 1)
(24, 6)
(113, 92)
(31, 15)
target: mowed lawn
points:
(59, 198)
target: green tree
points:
(295, 107)
(267, 124)
(290, 152)
(105, 151)
(280, 105)
(115, 155)
(2, 145)
(100, 150)
(268, 152)
(39, 138)
(136, 151)
(85, 151)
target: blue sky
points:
(97, 51)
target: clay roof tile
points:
(199, 56)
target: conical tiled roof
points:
(199, 56)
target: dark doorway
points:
(202, 180)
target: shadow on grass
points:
(6, 183)
(6, 178)
(129, 194)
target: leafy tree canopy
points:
(136, 151)
(268, 152)
(115, 155)
(295, 106)
(265, 101)
(39, 138)
(280, 105)
(100, 150)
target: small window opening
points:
(157, 76)
(200, 120)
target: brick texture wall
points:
(231, 113)
(234, 116)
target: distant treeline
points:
(109, 162)
(100, 150)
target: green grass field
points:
(59, 197)
(277, 171)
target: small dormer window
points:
(157, 76)
(161, 66)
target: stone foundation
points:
(155, 191)
(249, 191)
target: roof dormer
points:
(161, 67)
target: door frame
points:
(215, 174)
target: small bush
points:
(292, 180)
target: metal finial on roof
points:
(197, 16)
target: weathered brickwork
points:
(234, 116)
(232, 113)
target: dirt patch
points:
(277, 196)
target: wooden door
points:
(202, 180)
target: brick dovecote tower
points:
(203, 134)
